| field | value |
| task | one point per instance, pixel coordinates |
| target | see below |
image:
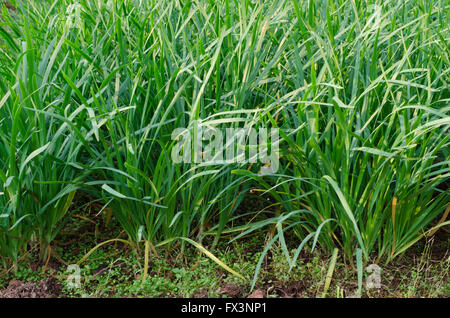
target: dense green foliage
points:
(91, 91)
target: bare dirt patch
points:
(46, 288)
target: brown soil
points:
(46, 288)
(231, 290)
